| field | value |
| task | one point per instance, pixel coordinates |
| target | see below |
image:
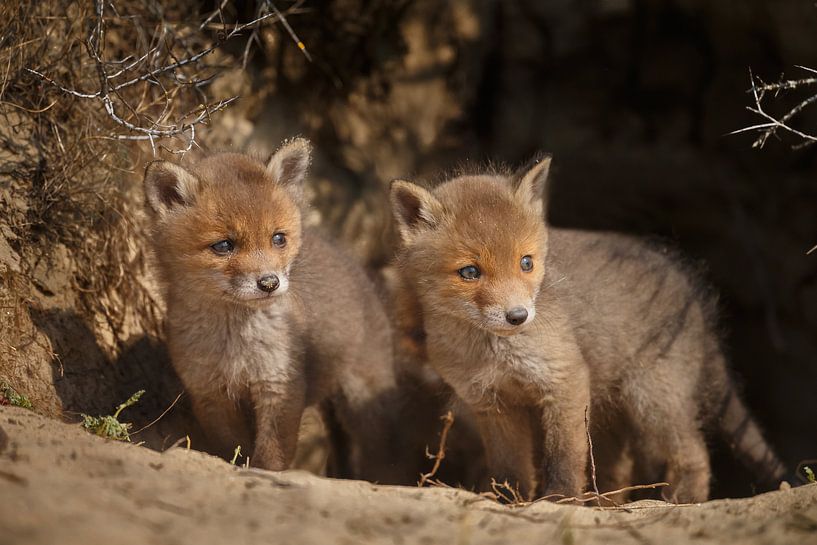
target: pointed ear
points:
(530, 182)
(414, 208)
(168, 186)
(288, 165)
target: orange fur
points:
(253, 352)
(611, 326)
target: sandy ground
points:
(62, 485)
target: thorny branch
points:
(772, 124)
(144, 103)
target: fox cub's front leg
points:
(222, 419)
(565, 449)
(278, 408)
(507, 436)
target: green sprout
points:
(809, 474)
(110, 426)
(10, 396)
(236, 454)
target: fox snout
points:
(259, 287)
(268, 283)
(512, 317)
(508, 319)
(516, 316)
(271, 284)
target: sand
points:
(62, 485)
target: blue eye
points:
(223, 247)
(279, 240)
(469, 273)
(526, 263)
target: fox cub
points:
(534, 326)
(265, 317)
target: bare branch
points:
(782, 123)
(592, 457)
(289, 30)
(448, 421)
(154, 78)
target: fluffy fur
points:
(613, 326)
(261, 331)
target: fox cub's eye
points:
(279, 239)
(526, 263)
(470, 272)
(223, 247)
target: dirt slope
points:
(62, 485)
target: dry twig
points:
(592, 458)
(428, 478)
(140, 93)
(507, 494)
(143, 428)
(774, 124)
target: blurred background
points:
(634, 98)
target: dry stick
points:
(200, 55)
(291, 32)
(178, 442)
(499, 489)
(769, 129)
(156, 130)
(592, 459)
(590, 496)
(143, 428)
(448, 421)
(212, 16)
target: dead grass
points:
(508, 493)
(79, 84)
(89, 92)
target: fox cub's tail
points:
(743, 434)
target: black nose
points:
(268, 283)
(516, 315)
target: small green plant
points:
(810, 474)
(110, 426)
(9, 396)
(236, 454)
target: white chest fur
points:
(230, 347)
(485, 369)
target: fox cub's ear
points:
(530, 182)
(289, 164)
(168, 185)
(414, 208)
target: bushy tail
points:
(743, 434)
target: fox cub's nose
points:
(268, 283)
(517, 315)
